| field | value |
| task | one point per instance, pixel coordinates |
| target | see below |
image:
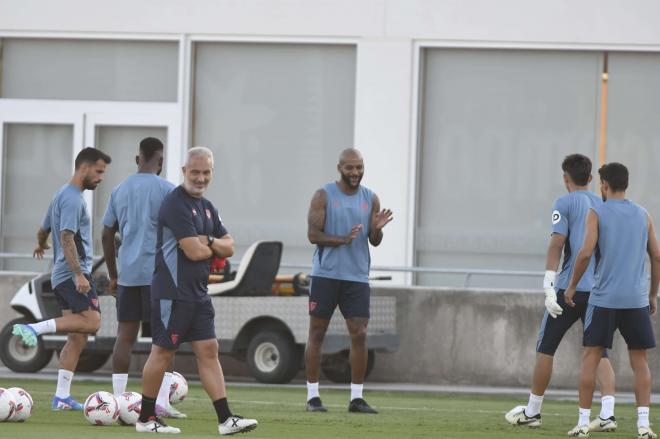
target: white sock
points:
(534, 405)
(45, 327)
(119, 381)
(585, 415)
(642, 417)
(607, 407)
(356, 391)
(163, 398)
(64, 378)
(312, 390)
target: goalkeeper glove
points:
(551, 295)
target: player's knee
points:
(359, 334)
(92, 321)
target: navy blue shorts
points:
(553, 329)
(70, 299)
(175, 321)
(325, 294)
(134, 303)
(634, 324)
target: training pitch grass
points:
(280, 412)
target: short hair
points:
(91, 155)
(149, 146)
(578, 167)
(616, 175)
(199, 151)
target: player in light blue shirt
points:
(133, 212)
(568, 228)
(344, 218)
(68, 219)
(620, 233)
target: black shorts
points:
(325, 294)
(634, 324)
(70, 299)
(175, 321)
(553, 329)
(134, 303)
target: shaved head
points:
(349, 154)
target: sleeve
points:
(110, 217)
(70, 213)
(219, 229)
(560, 217)
(46, 224)
(176, 216)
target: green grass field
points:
(281, 414)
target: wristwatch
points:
(210, 239)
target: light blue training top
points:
(133, 208)
(621, 280)
(68, 211)
(352, 261)
(569, 217)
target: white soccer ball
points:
(101, 408)
(130, 404)
(24, 405)
(178, 388)
(7, 404)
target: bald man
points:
(344, 217)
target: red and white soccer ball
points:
(178, 388)
(24, 405)
(130, 404)
(7, 404)
(101, 408)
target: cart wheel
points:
(273, 358)
(337, 366)
(19, 357)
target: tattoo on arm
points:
(316, 223)
(70, 252)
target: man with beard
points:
(133, 212)
(68, 219)
(344, 217)
(190, 233)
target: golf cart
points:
(267, 330)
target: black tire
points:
(337, 367)
(90, 361)
(18, 357)
(273, 358)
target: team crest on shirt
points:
(208, 213)
(556, 217)
(336, 204)
(194, 212)
(365, 206)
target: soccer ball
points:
(7, 404)
(130, 404)
(101, 408)
(23, 405)
(178, 388)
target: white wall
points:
(389, 35)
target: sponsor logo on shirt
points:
(194, 212)
(208, 213)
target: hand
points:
(554, 309)
(355, 230)
(568, 296)
(112, 288)
(39, 251)
(82, 284)
(653, 305)
(381, 218)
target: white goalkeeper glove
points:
(551, 295)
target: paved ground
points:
(559, 394)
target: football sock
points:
(534, 405)
(119, 381)
(356, 391)
(148, 408)
(312, 390)
(606, 407)
(642, 417)
(45, 327)
(585, 414)
(163, 398)
(64, 378)
(222, 409)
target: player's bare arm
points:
(222, 247)
(71, 256)
(583, 257)
(109, 252)
(42, 243)
(555, 248)
(194, 249)
(654, 255)
(379, 219)
(316, 224)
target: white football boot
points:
(517, 416)
(236, 424)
